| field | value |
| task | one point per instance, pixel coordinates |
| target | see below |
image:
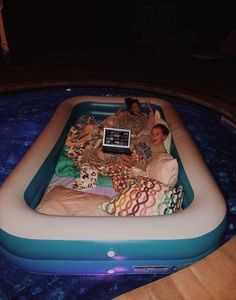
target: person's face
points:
(157, 136)
(135, 109)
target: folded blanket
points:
(65, 166)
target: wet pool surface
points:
(25, 114)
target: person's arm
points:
(119, 112)
(149, 106)
(112, 120)
(151, 116)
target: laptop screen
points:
(116, 137)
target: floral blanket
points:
(83, 150)
(136, 193)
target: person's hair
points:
(130, 101)
(164, 129)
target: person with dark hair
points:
(134, 107)
(133, 118)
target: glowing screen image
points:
(116, 137)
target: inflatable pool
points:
(115, 245)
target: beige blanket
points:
(61, 201)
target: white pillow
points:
(158, 120)
(164, 169)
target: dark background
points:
(40, 28)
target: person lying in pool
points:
(150, 146)
(133, 118)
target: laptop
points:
(116, 140)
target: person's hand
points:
(148, 103)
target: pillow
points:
(61, 201)
(164, 169)
(159, 120)
(145, 197)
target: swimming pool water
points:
(23, 117)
